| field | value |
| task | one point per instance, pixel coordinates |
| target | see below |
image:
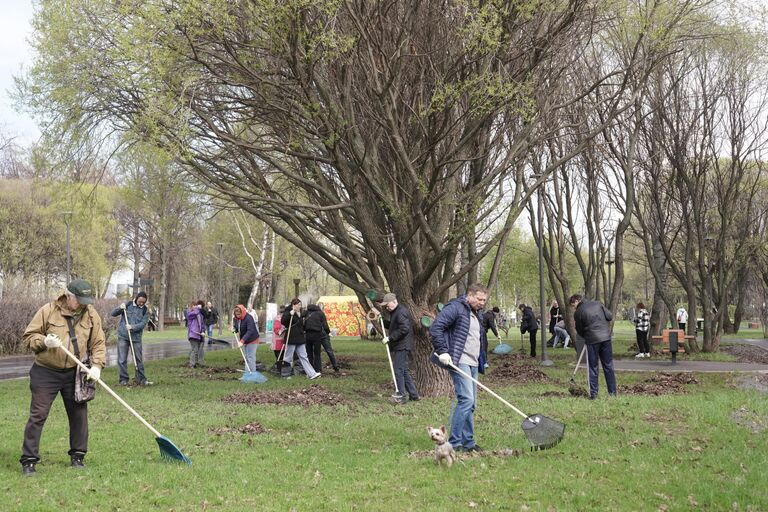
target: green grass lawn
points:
(672, 452)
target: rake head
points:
(502, 349)
(543, 432)
(253, 378)
(170, 451)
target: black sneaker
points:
(77, 463)
(475, 448)
(28, 469)
(414, 398)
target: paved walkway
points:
(15, 367)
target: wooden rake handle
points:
(486, 388)
(109, 390)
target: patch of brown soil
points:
(747, 353)
(660, 384)
(750, 420)
(250, 428)
(518, 373)
(505, 452)
(757, 382)
(312, 395)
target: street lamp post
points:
(219, 299)
(67, 216)
(545, 361)
(609, 295)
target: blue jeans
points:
(463, 422)
(604, 352)
(210, 332)
(123, 349)
(250, 356)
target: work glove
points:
(445, 359)
(385, 340)
(122, 305)
(94, 373)
(129, 327)
(293, 312)
(240, 343)
(52, 341)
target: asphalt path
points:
(15, 367)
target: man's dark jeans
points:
(315, 349)
(604, 352)
(403, 378)
(45, 384)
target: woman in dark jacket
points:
(318, 337)
(529, 324)
(295, 338)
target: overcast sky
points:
(14, 53)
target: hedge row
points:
(16, 314)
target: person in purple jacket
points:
(195, 333)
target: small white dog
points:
(443, 449)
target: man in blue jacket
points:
(138, 316)
(458, 338)
(593, 323)
(399, 341)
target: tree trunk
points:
(431, 380)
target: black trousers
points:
(45, 384)
(532, 339)
(315, 349)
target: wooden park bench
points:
(665, 337)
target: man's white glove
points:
(122, 305)
(128, 326)
(94, 373)
(293, 312)
(445, 359)
(385, 340)
(240, 343)
(52, 341)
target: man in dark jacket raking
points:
(399, 341)
(458, 338)
(138, 316)
(529, 324)
(593, 323)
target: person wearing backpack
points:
(529, 324)
(296, 339)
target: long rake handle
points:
(578, 363)
(130, 338)
(391, 366)
(109, 390)
(465, 374)
(242, 352)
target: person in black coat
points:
(295, 338)
(593, 323)
(318, 337)
(529, 324)
(399, 341)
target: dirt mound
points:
(518, 373)
(505, 452)
(758, 382)
(660, 384)
(250, 428)
(747, 353)
(312, 395)
(750, 420)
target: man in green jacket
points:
(53, 372)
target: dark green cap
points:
(81, 289)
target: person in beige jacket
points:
(53, 372)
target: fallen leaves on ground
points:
(749, 419)
(504, 452)
(250, 428)
(519, 373)
(311, 395)
(660, 384)
(747, 353)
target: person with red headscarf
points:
(248, 335)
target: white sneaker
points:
(639, 355)
(647, 354)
